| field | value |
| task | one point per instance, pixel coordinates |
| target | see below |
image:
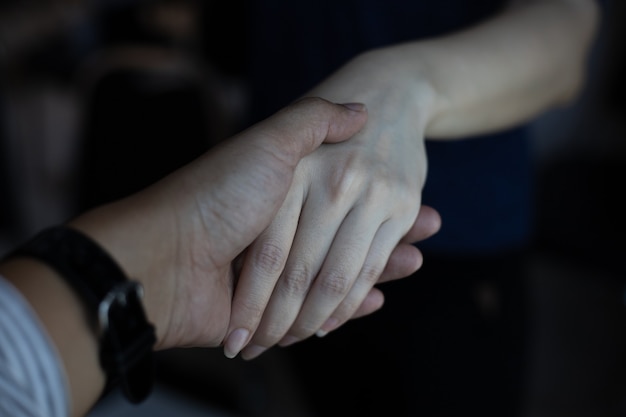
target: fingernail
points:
(235, 342)
(288, 340)
(252, 351)
(354, 106)
(328, 326)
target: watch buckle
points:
(118, 295)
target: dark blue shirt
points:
(481, 187)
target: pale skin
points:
(180, 237)
(352, 203)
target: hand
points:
(405, 259)
(349, 206)
(180, 236)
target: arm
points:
(179, 237)
(504, 72)
(356, 200)
(61, 314)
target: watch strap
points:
(112, 303)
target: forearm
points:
(528, 60)
(128, 231)
(124, 230)
(132, 231)
(178, 238)
(500, 73)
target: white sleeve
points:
(32, 381)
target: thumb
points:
(250, 174)
(306, 124)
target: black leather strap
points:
(112, 302)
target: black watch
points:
(112, 303)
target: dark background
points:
(98, 99)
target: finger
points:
(343, 266)
(309, 122)
(405, 259)
(310, 246)
(264, 263)
(251, 174)
(371, 268)
(427, 223)
(373, 302)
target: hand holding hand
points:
(350, 205)
(180, 236)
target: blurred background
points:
(100, 98)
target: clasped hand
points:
(258, 197)
(351, 209)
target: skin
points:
(181, 236)
(351, 204)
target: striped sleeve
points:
(32, 382)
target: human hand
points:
(180, 235)
(405, 259)
(349, 206)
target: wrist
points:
(392, 82)
(416, 76)
(62, 317)
(111, 304)
(129, 236)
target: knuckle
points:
(296, 281)
(370, 274)
(270, 258)
(306, 105)
(317, 121)
(344, 182)
(335, 283)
